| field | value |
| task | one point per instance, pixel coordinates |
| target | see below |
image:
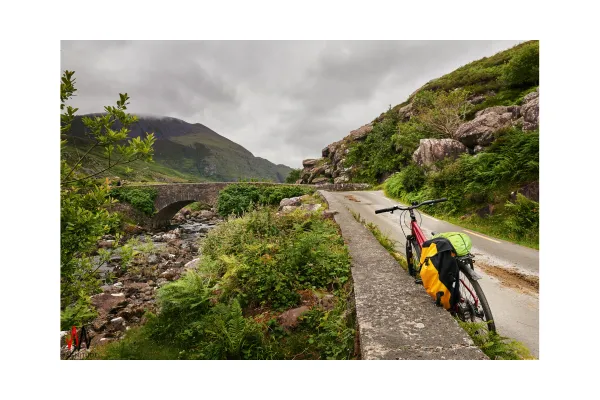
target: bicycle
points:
(472, 305)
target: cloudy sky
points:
(283, 101)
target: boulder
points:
(341, 179)
(515, 111)
(328, 214)
(320, 180)
(531, 111)
(289, 319)
(531, 191)
(360, 133)
(287, 209)
(432, 150)
(106, 303)
(192, 264)
(406, 112)
(480, 131)
(309, 162)
(292, 201)
(106, 244)
(310, 207)
(169, 274)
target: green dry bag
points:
(460, 241)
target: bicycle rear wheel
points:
(472, 305)
(413, 257)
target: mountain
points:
(193, 152)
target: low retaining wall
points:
(396, 318)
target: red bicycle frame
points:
(417, 233)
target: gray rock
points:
(289, 319)
(169, 236)
(514, 111)
(480, 131)
(361, 133)
(169, 274)
(321, 180)
(531, 111)
(341, 179)
(192, 264)
(406, 112)
(432, 150)
(310, 207)
(106, 244)
(292, 201)
(287, 209)
(152, 259)
(310, 162)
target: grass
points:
(492, 225)
(495, 346)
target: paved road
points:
(516, 313)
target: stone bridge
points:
(172, 197)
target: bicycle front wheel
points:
(472, 305)
(413, 257)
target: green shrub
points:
(226, 335)
(77, 314)
(524, 67)
(495, 346)
(239, 198)
(522, 217)
(332, 332)
(293, 176)
(266, 260)
(182, 302)
(376, 155)
(141, 199)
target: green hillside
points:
(471, 135)
(184, 152)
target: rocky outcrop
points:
(309, 162)
(472, 137)
(433, 150)
(331, 166)
(530, 191)
(480, 131)
(531, 111)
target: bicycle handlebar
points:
(427, 202)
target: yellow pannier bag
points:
(439, 272)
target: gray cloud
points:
(282, 100)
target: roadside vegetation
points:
(239, 198)
(471, 183)
(255, 267)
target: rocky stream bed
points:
(132, 291)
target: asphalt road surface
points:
(516, 311)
